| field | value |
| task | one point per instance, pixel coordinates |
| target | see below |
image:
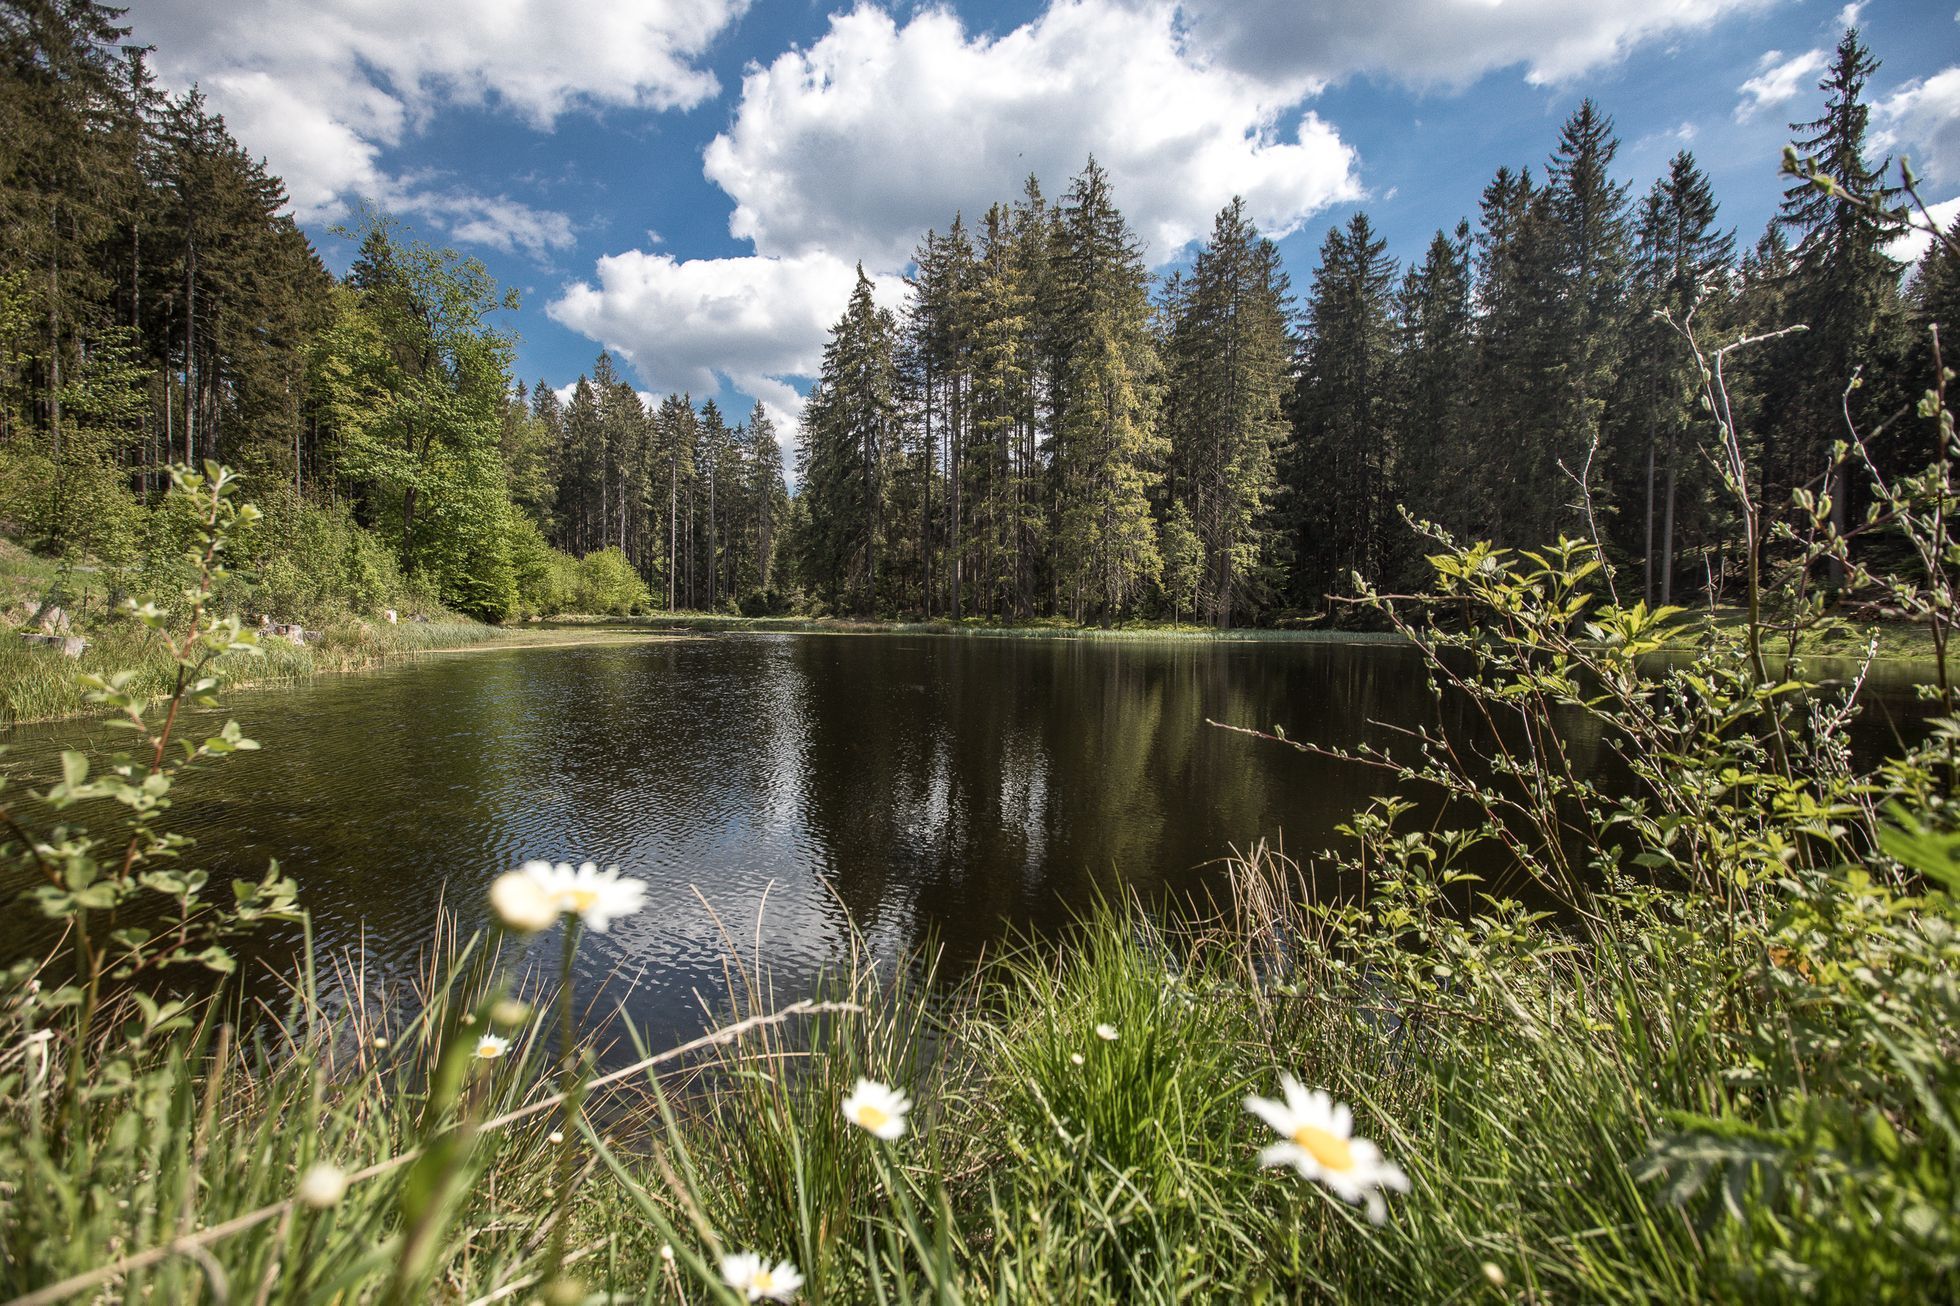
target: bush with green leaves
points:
(607, 583)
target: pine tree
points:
(1680, 276)
(1841, 280)
(1108, 453)
(1519, 397)
(768, 494)
(1345, 462)
(1589, 213)
(1436, 352)
(1229, 374)
(997, 323)
(675, 439)
(850, 425)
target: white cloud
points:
(694, 324)
(1912, 246)
(322, 88)
(1778, 80)
(878, 131)
(1922, 119)
(1447, 43)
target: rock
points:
(72, 646)
(54, 620)
(390, 614)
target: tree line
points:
(158, 306)
(1043, 430)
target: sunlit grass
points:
(40, 684)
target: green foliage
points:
(608, 583)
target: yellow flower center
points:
(871, 1117)
(763, 1281)
(583, 900)
(488, 1050)
(1331, 1150)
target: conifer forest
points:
(1043, 429)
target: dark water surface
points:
(916, 785)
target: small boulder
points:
(54, 620)
(72, 646)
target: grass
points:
(712, 622)
(38, 684)
(1045, 1163)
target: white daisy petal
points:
(1318, 1141)
(756, 1279)
(878, 1109)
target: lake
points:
(923, 787)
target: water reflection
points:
(917, 786)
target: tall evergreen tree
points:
(1107, 451)
(1436, 356)
(1229, 373)
(850, 425)
(1841, 280)
(1589, 214)
(1344, 463)
(1681, 274)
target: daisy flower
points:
(490, 1047)
(596, 897)
(1107, 1033)
(523, 901)
(878, 1109)
(750, 1274)
(1318, 1140)
(323, 1184)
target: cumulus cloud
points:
(1912, 246)
(858, 144)
(1445, 43)
(1922, 120)
(1778, 80)
(693, 324)
(324, 87)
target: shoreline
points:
(38, 688)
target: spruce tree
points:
(1841, 280)
(1435, 348)
(1107, 452)
(1231, 357)
(1345, 460)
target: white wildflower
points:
(1319, 1142)
(1107, 1033)
(878, 1109)
(490, 1047)
(749, 1274)
(323, 1184)
(597, 897)
(523, 900)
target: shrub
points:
(607, 583)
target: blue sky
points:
(690, 182)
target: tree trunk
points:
(1667, 527)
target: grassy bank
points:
(710, 622)
(1836, 644)
(1662, 1115)
(38, 684)
(1724, 1065)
